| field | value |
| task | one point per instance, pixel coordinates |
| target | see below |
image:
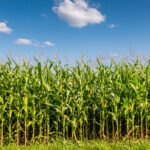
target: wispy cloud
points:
(49, 43)
(4, 28)
(78, 13)
(44, 15)
(111, 26)
(35, 43)
(24, 41)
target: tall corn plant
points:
(50, 100)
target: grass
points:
(86, 145)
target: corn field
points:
(48, 101)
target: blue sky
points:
(68, 28)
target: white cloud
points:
(49, 43)
(4, 28)
(23, 41)
(35, 43)
(111, 26)
(78, 13)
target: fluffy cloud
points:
(23, 41)
(78, 13)
(4, 28)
